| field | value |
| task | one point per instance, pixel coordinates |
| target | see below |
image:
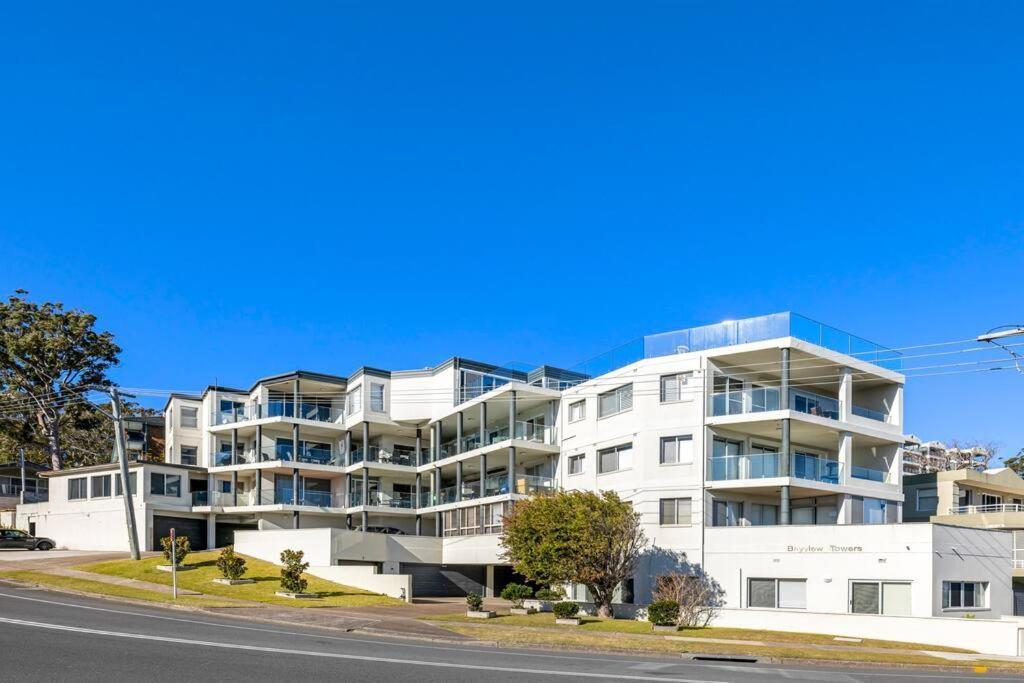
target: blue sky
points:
(250, 188)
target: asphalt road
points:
(49, 636)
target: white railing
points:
(974, 509)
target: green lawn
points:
(630, 626)
(109, 589)
(266, 574)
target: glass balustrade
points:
(763, 399)
(306, 410)
(870, 414)
(754, 466)
(816, 469)
(496, 485)
(868, 473)
(526, 484)
(200, 497)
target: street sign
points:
(174, 567)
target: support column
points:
(512, 414)
(348, 448)
(234, 446)
(458, 432)
(483, 424)
(483, 485)
(295, 397)
(549, 423)
(366, 487)
(295, 443)
(845, 394)
(845, 457)
(366, 442)
(435, 443)
(366, 520)
(210, 494)
(259, 487)
(419, 525)
(258, 457)
(211, 531)
(416, 500)
(435, 485)
(234, 487)
(511, 469)
(418, 460)
(784, 454)
(458, 481)
(295, 486)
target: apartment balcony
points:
(766, 466)
(495, 485)
(766, 399)
(281, 496)
(528, 432)
(314, 412)
(375, 454)
(282, 452)
(398, 501)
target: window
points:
(874, 511)
(576, 464)
(377, 397)
(615, 401)
(675, 511)
(990, 499)
(189, 454)
(928, 499)
(615, 459)
(677, 450)
(355, 400)
(78, 489)
(131, 484)
(101, 486)
(672, 387)
(759, 514)
(165, 484)
(880, 597)
(963, 594)
(777, 593)
(577, 411)
(727, 513)
(189, 417)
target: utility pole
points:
(126, 489)
(21, 464)
(1002, 332)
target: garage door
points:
(195, 529)
(225, 533)
(451, 580)
(1018, 599)
(504, 575)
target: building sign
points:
(824, 549)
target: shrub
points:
(663, 612)
(291, 572)
(548, 595)
(565, 610)
(474, 602)
(516, 593)
(698, 595)
(181, 550)
(231, 566)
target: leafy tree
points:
(1016, 463)
(516, 593)
(291, 572)
(579, 536)
(49, 357)
(181, 548)
(231, 566)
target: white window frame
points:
(181, 417)
(581, 458)
(163, 492)
(383, 398)
(677, 502)
(618, 457)
(76, 480)
(678, 438)
(881, 583)
(132, 483)
(682, 380)
(109, 486)
(619, 393)
(582, 405)
(777, 581)
(181, 454)
(354, 400)
(979, 587)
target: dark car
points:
(11, 539)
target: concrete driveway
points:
(28, 559)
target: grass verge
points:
(109, 589)
(610, 642)
(267, 581)
(629, 626)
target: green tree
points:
(579, 536)
(49, 358)
(1016, 463)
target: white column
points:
(845, 394)
(211, 531)
(845, 457)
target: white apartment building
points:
(925, 457)
(766, 453)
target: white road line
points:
(335, 655)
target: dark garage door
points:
(504, 575)
(225, 533)
(1018, 598)
(450, 580)
(195, 529)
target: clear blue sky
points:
(244, 189)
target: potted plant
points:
(231, 567)
(178, 551)
(544, 598)
(475, 603)
(292, 583)
(664, 615)
(566, 613)
(516, 593)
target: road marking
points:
(337, 655)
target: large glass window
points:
(727, 513)
(165, 484)
(760, 514)
(615, 401)
(376, 397)
(928, 499)
(131, 484)
(673, 386)
(78, 488)
(725, 459)
(577, 411)
(675, 511)
(576, 464)
(880, 597)
(874, 511)
(101, 486)
(677, 450)
(189, 454)
(189, 417)
(963, 594)
(614, 459)
(727, 397)
(354, 401)
(777, 593)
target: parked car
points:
(17, 539)
(381, 530)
